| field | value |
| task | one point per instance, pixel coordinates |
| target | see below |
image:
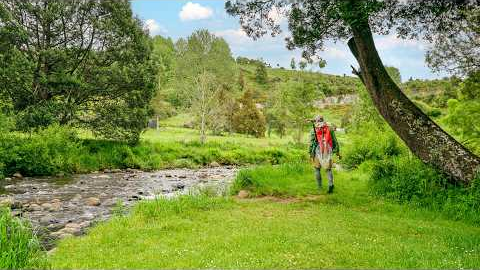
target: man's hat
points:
(319, 118)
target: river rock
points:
(47, 206)
(54, 227)
(85, 224)
(92, 201)
(61, 174)
(88, 216)
(6, 202)
(116, 171)
(47, 220)
(61, 234)
(182, 176)
(8, 179)
(56, 206)
(214, 164)
(104, 176)
(34, 207)
(109, 202)
(17, 175)
(72, 228)
(243, 194)
(76, 198)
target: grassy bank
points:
(299, 228)
(19, 246)
(58, 149)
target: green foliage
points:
(435, 93)
(407, 180)
(364, 112)
(247, 119)
(427, 109)
(394, 74)
(296, 98)
(57, 149)
(6, 123)
(261, 74)
(19, 246)
(463, 114)
(470, 87)
(47, 152)
(59, 74)
(370, 143)
(204, 66)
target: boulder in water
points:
(92, 201)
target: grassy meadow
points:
(290, 226)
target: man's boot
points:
(318, 177)
(330, 180)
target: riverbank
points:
(304, 229)
(62, 151)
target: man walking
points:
(323, 144)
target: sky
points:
(179, 18)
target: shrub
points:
(406, 179)
(49, 151)
(247, 119)
(371, 144)
(19, 247)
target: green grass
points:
(185, 135)
(301, 228)
(19, 246)
(57, 150)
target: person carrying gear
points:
(323, 145)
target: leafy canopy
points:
(311, 23)
(86, 63)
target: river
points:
(59, 207)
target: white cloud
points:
(336, 53)
(154, 28)
(234, 37)
(392, 42)
(193, 11)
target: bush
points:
(19, 247)
(49, 151)
(408, 180)
(247, 119)
(371, 143)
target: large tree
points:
(311, 23)
(84, 62)
(204, 62)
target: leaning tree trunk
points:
(422, 135)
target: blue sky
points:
(178, 18)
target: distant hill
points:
(330, 85)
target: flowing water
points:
(59, 207)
